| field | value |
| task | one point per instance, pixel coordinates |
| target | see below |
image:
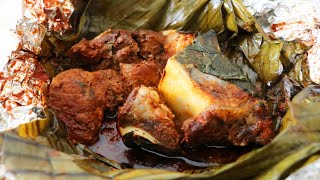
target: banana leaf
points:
(219, 15)
(226, 17)
(27, 159)
(300, 72)
(206, 55)
(265, 59)
(292, 52)
(310, 94)
(275, 160)
(271, 58)
(264, 56)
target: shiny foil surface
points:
(23, 82)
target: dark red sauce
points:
(112, 147)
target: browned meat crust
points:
(151, 44)
(234, 118)
(79, 99)
(147, 73)
(227, 126)
(145, 110)
(113, 47)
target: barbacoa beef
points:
(113, 47)
(145, 117)
(208, 109)
(116, 61)
(79, 99)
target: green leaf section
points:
(263, 55)
(27, 159)
(206, 55)
(189, 15)
(228, 18)
(286, 153)
(299, 137)
(267, 62)
(310, 94)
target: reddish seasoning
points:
(40, 73)
(112, 147)
(277, 26)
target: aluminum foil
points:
(292, 20)
(23, 85)
(310, 172)
(23, 82)
(41, 17)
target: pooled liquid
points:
(112, 147)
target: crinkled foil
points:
(310, 172)
(22, 88)
(24, 82)
(40, 17)
(292, 20)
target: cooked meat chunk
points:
(147, 73)
(151, 44)
(113, 47)
(227, 126)
(126, 48)
(145, 117)
(79, 99)
(106, 50)
(90, 52)
(176, 41)
(210, 110)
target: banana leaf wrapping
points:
(255, 55)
